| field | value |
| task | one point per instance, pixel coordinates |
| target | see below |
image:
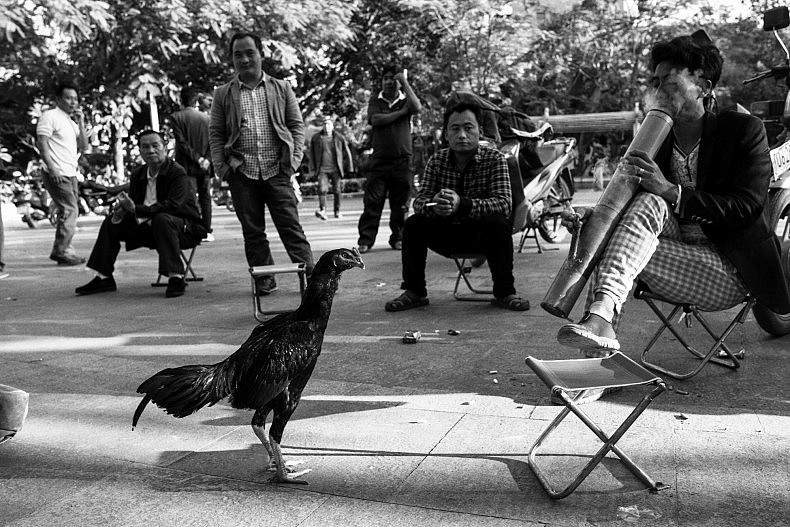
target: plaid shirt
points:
(485, 182)
(258, 141)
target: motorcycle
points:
(545, 168)
(776, 116)
(32, 200)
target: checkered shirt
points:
(258, 141)
(485, 181)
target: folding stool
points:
(188, 267)
(719, 353)
(581, 375)
(464, 263)
(265, 270)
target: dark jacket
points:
(733, 174)
(175, 194)
(342, 153)
(190, 128)
(226, 118)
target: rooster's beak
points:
(357, 261)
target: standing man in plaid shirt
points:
(256, 135)
(464, 204)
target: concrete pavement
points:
(429, 434)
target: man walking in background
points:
(61, 137)
(330, 160)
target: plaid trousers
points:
(647, 243)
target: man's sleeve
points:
(500, 200)
(429, 185)
(741, 195)
(294, 123)
(217, 135)
(46, 125)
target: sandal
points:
(407, 300)
(512, 302)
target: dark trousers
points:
(165, 233)
(385, 176)
(203, 180)
(325, 179)
(251, 197)
(490, 236)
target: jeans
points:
(64, 199)
(385, 176)
(490, 235)
(165, 233)
(251, 197)
(324, 180)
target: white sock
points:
(175, 275)
(101, 276)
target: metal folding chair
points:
(465, 263)
(267, 270)
(719, 353)
(189, 275)
(570, 380)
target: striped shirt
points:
(258, 140)
(485, 182)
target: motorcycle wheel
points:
(779, 203)
(550, 224)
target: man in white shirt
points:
(61, 137)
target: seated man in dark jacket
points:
(160, 213)
(464, 205)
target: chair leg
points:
(609, 444)
(719, 353)
(189, 269)
(476, 295)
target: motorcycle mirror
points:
(776, 18)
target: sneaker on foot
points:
(363, 249)
(320, 214)
(265, 285)
(68, 259)
(338, 215)
(97, 285)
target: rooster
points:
(268, 372)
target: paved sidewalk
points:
(429, 434)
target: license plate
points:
(780, 159)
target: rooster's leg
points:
(258, 423)
(284, 473)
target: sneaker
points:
(209, 237)
(176, 285)
(68, 259)
(397, 246)
(363, 249)
(97, 285)
(265, 285)
(320, 214)
(338, 215)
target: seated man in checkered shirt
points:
(464, 205)
(698, 231)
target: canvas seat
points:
(719, 353)
(570, 380)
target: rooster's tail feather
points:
(183, 391)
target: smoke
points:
(677, 95)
